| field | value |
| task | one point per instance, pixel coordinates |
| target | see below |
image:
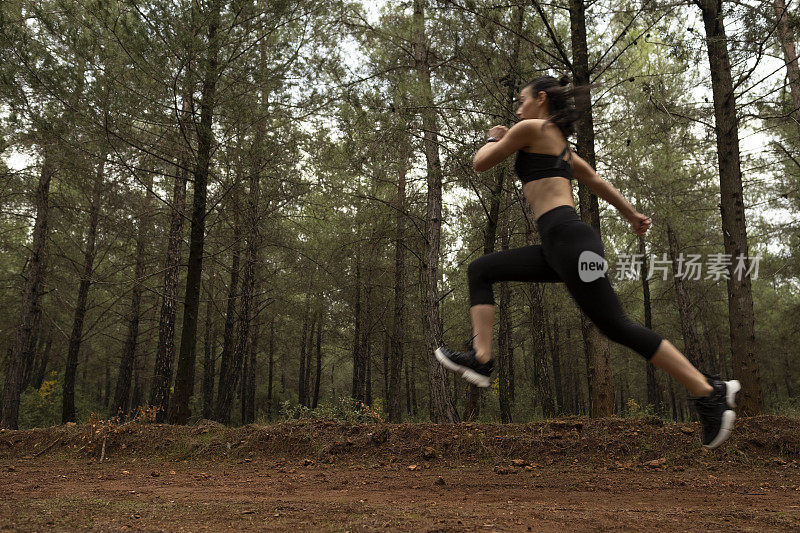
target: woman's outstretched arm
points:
(586, 175)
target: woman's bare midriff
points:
(547, 193)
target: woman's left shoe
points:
(466, 365)
(716, 411)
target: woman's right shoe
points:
(466, 365)
(716, 411)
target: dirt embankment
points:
(561, 475)
(598, 442)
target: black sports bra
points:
(530, 166)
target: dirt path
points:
(39, 494)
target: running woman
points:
(547, 115)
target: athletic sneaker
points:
(466, 365)
(716, 411)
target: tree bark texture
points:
(653, 393)
(442, 409)
(740, 298)
(184, 374)
(209, 361)
(68, 399)
(165, 352)
(693, 348)
(31, 293)
(224, 383)
(122, 391)
(789, 58)
(398, 324)
(600, 379)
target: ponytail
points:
(561, 101)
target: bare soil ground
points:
(570, 474)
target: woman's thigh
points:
(527, 263)
(568, 247)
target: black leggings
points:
(564, 236)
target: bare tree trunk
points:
(691, 340)
(441, 405)
(250, 390)
(505, 354)
(122, 391)
(394, 402)
(740, 298)
(600, 379)
(538, 325)
(165, 352)
(555, 355)
(184, 374)
(243, 348)
(209, 362)
(319, 362)
(414, 405)
(653, 393)
(34, 341)
(789, 57)
(225, 381)
(68, 401)
(301, 390)
(357, 366)
(271, 366)
(368, 377)
(30, 299)
(309, 350)
(41, 368)
(408, 391)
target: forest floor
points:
(568, 474)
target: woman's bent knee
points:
(480, 285)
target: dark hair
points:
(561, 101)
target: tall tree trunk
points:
(408, 390)
(68, 401)
(366, 336)
(505, 353)
(441, 405)
(555, 355)
(387, 342)
(122, 390)
(600, 379)
(224, 383)
(209, 362)
(301, 389)
(414, 405)
(538, 325)
(394, 403)
(184, 375)
(319, 362)
(41, 368)
(308, 355)
(243, 345)
(653, 394)
(30, 298)
(249, 406)
(368, 377)
(271, 366)
(691, 340)
(34, 340)
(740, 298)
(165, 352)
(356, 388)
(789, 57)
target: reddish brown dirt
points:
(613, 474)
